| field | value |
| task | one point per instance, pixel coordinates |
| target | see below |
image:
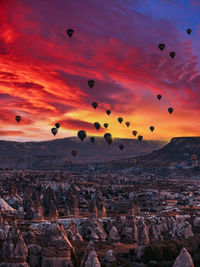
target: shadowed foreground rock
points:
(14, 251)
(184, 259)
(90, 258)
(57, 248)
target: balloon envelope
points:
(134, 133)
(82, 135)
(91, 83)
(151, 128)
(170, 110)
(120, 119)
(18, 118)
(92, 140)
(121, 146)
(70, 32)
(159, 97)
(172, 54)
(97, 125)
(108, 111)
(54, 131)
(95, 105)
(105, 125)
(161, 46)
(188, 30)
(140, 138)
(57, 125)
(127, 123)
(106, 135)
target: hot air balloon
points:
(159, 97)
(151, 128)
(91, 83)
(97, 125)
(188, 30)
(127, 123)
(105, 125)
(95, 105)
(54, 131)
(18, 118)
(70, 32)
(120, 119)
(82, 135)
(161, 47)
(106, 135)
(74, 153)
(172, 54)
(92, 140)
(170, 110)
(134, 133)
(109, 140)
(121, 146)
(57, 125)
(140, 138)
(108, 111)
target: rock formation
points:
(183, 259)
(14, 250)
(90, 258)
(56, 246)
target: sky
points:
(44, 74)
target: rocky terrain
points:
(139, 211)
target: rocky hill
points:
(175, 150)
(57, 153)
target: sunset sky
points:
(44, 74)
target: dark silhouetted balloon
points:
(127, 123)
(151, 128)
(161, 47)
(57, 125)
(108, 111)
(74, 153)
(106, 135)
(134, 133)
(95, 105)
(70, 32)
(92, 140)
(91, 83)
(120, 119)
(105, 125)
(189, 31)
(121, 146)
(97, 125)
(54, 131)
(82, 135)
(109, 140)
(172, 54)
(159, 97)
(170, 110)
(140, 138)
(18, 118)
